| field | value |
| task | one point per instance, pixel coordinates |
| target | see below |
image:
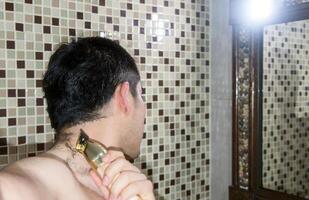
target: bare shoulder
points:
(32, 178)
(16, 184)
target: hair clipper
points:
(91, 149)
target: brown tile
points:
(21, 93)
(55, 21)
(22, 140)
(40, 129)
(12, 121)
(94, 9)
(3, 142)
(19, 27)
(88, 25)
(21, 102)
(40, 147)
(47, 47)
(46, 29)
(20, 64)
(79, 15)
(72, 32)
(28, 1)
(177, 12)
(2, 112)
(9, 6)
(30, 74)
(135, 22)
(10, 44)
(122, 13)
(116, 28)
(102, 2)
(39, 102)
(38, 19)
(38, 55)
(31, 154)
(129, 6)
(109, 20)
(2, 73)
(3, 150)
(39, 83)
(11, 93)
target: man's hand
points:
(118, 179)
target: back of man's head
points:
(82, 77)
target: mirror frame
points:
(254, 188)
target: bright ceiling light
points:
(260, 10)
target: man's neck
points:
(76, 163)
(102, 130)
(66, 151)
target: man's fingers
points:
(142, 189)
(123, 180)
(120, 178)
(97, 180)
(117, 166)
(112, 155)
(101, 169)
(109, 157)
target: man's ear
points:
(123, 97)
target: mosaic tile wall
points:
(286, 108)
(170, 43)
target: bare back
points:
(42, 177)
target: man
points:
(91, 84)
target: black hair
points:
(82, 77)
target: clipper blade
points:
(91, 149)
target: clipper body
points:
(91, 149)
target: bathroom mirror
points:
(271, 105)
(284, 106)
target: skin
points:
(62, 174)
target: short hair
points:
(82, 77)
